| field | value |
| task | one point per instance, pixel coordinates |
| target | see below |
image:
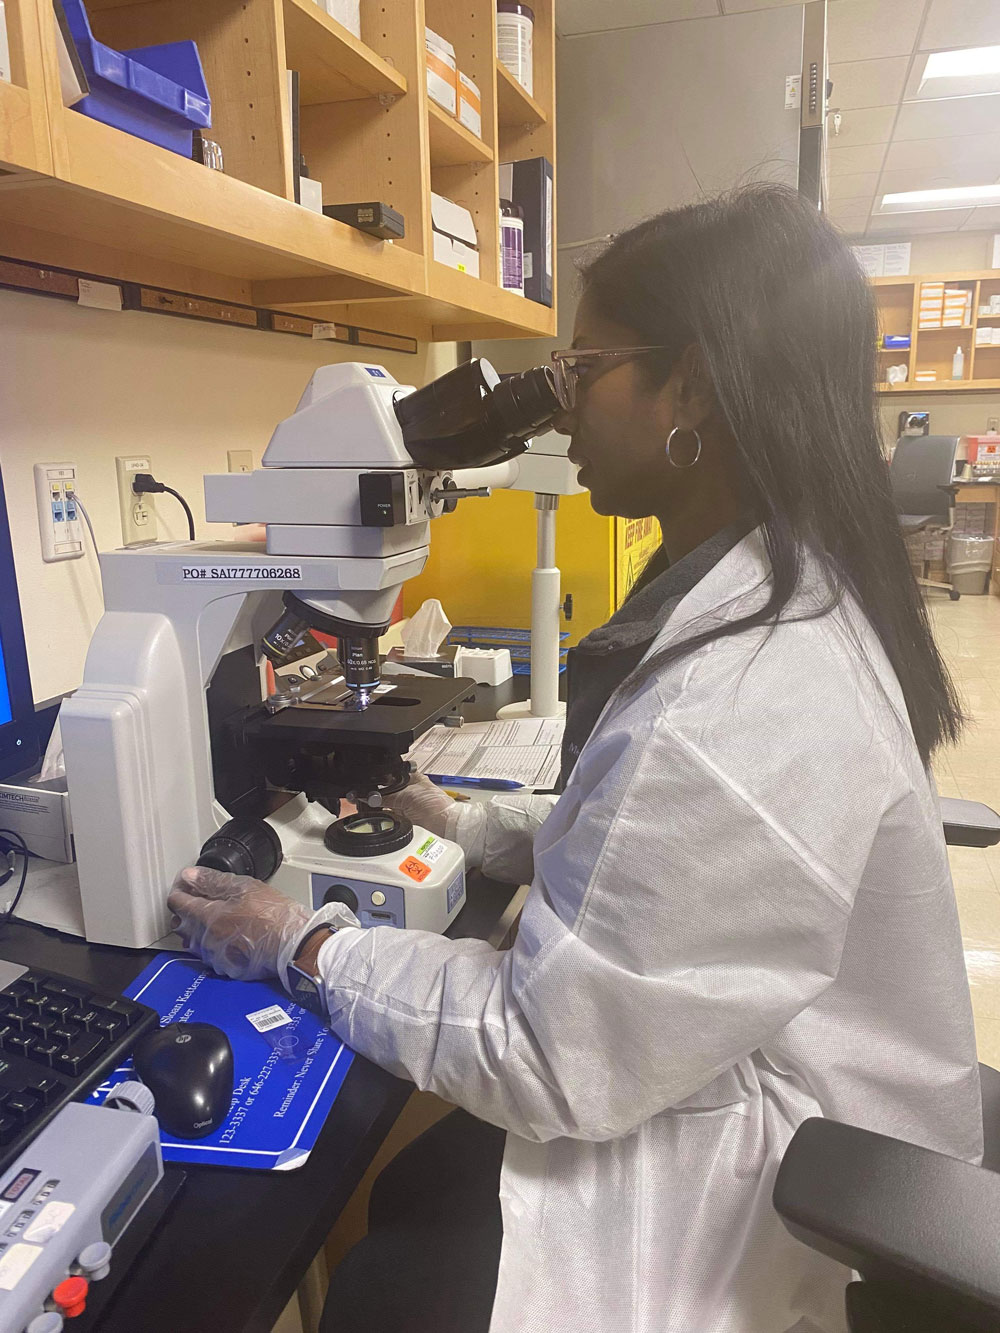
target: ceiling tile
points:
(957, 23)
(870, 125)
(982, 150)
(580, 16)
(741, 6)
(850, 214)
(853, 185)
(870, 29)
(858, 83)
(896, 224)
(983, 219)
(931, 178)
(862, 157)
(948, 117)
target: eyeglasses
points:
(570, 366)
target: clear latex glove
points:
(496, 835)
(238, 925)
(421, 802)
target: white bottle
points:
(957, 364)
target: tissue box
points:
(441, 664)
(39, 812)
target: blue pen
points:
(484, 784)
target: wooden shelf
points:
(898, 301)
(17, 141)
(333, 65)
(972, 275)
(452, 145)
(941, 386)
(140, 196)
(483, 304)
(515, 105)
(80, 195)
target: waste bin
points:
(969, 562)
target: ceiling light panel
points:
(922, 201)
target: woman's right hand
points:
(421, 802)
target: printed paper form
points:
(522, 750)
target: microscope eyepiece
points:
(472, 418)
(525, 403)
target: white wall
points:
(84, 385)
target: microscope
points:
(180, 747)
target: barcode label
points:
(271, 1017)
(432, 850)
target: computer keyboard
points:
(58, 1038)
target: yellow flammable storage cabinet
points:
(482, 557)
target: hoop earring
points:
(697, 452)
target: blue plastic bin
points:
(157, 93)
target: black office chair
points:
(922, 476)
(921, 1228)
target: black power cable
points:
(144, 483)
(5, 834)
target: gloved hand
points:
(238, 925)
(423, 803)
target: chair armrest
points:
(969, 823)
(899, 1214)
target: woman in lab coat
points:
(741, 913)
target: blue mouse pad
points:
(288, 1065)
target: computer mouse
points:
(188, 1067)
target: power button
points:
(378, 898)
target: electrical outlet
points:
(138, 514)
(240, 460)
(59, 520)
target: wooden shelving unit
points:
(24, 134)
(452, 145)
(79, 194)
(333, 64)
(516, 106)
(932, 349)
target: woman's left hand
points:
(236, 924)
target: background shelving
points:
(933, 349)
(97, 199)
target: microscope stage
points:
(392, 721)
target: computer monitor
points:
(18, 732)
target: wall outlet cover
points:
(59, 522)
(240, 460)
(137, 513)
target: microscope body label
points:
(230, 573)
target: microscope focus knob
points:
(340, 893)
(243, 847)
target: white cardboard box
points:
(455, 240)
(347, 12)
(5, 70)
(442, 72)
(470, 106)
(311, 194)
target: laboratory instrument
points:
(188, 1067)
(178, 750)
(64, 1205)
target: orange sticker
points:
(415, 869)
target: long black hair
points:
(787, 327)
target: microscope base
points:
(420, 886)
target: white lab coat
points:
(741, 916)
